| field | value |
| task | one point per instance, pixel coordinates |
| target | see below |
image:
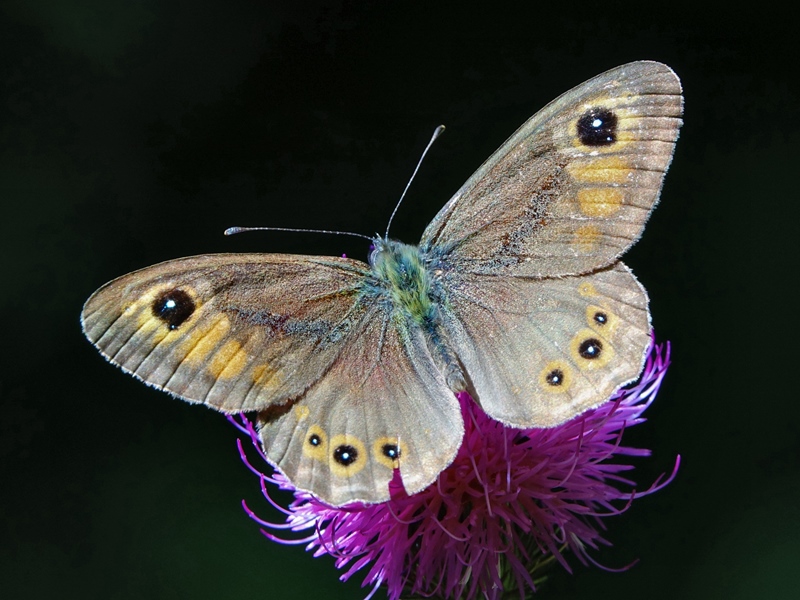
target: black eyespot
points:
(314, 440)
(600, 318)
(555, 377)
(173, 307)
(391, 451)
(345, 455)
(597, 127)
(590, 348)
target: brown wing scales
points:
(236, 332)
(571, 190)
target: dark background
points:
(135, 132)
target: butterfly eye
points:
(597, 127)
(173, 307)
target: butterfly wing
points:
(382, 405)
(303, 341)
(539, 352)
(544, 320)
(237, 332)
(571, 190)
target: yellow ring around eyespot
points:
(142, 310)
(586, 289)
(377, 451)
(143, 304)
(590, 364)
(623, 136)
(612, 320)
(354, 467)
(320, 451)
(566, 375)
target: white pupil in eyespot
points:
(597, 123)
(170, 304)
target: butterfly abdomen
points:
(410, 286)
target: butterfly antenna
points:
(235, 230)
(436, 133)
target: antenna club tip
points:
(232, 230)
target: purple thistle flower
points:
(512, 501)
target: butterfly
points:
(515, 294)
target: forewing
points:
(571, 190)
(237, 332)
(539, 352)
(382, 405)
